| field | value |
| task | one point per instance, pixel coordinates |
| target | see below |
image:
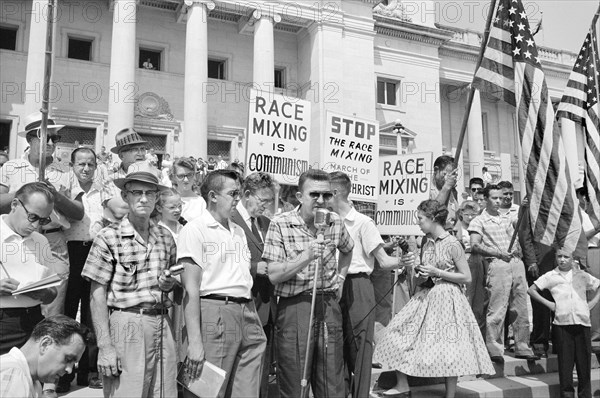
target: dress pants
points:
(16, 325)
(59, 265)
(78, 290)
(234, 340)
(476, 295)
(326, 354)
(594, 269)
(542, 316)
(357, 304)
(137, 340)
(507, 290)
(572, 343)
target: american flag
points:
(580, 104)
(511, 68)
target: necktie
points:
(254, 229)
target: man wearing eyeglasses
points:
(129, 303)
(292, 250)
(257, 195)
(25, 258)
(221, 320)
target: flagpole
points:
(463, 128)
(46, 93)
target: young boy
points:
(571, 327)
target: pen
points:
(4, 269)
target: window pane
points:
(380, 92)
(391, 93)
(279, 78)
(8, 39)
(80, 49)
(150, 59)
(216, 69)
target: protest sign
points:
(352, 146)
(404, 182)
(278, 136)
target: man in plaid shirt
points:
(126, 267)
(291, 252)
(490, 234)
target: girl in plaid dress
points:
(436, 334)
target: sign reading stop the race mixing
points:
(404, 182)
(278, 136)
(352, 146)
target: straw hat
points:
(125, 138)
(141, 172)
(33, 122)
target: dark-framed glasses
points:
(182, 177)
(138, 193)
(316, 195)
(32, 217)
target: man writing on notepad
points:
(26, 258)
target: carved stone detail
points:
(394, 9)
(152, 106)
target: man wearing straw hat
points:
(127, 267)
(18, 172)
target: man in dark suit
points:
(257, 194)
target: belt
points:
(227, 299)
(331, 293)
(141, 310)
(84, 243)
(18, 311)
(358, 275)
(52, 230)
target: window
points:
(5, 126)
(279, 78)
(150, 59)
(8, 38)
(387, 92)
(216, 148)
(80, 49)
(484, 129)
(216, 69)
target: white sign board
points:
(278, 136)
(404, 182)
(352, 146)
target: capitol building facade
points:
(181, 73)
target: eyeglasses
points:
(182, 177)
(50, 137)
(138, 194)
(316, 195)
(263, 201)
(475, 189)
(234, 194)
(32, 217)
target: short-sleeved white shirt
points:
(222, 254)
(15, 377)
(193, 207)
(26, 260)
(568, 290)
(366, 238)
(93, 210)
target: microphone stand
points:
(304, 381)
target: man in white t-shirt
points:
(26, 258)
(218, 284)
(358, 296)
(53, 350)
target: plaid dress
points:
(436, 334)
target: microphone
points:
(403, 244)
(322, 221)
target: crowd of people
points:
(170, 269)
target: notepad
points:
(47, 282)
(207, 385)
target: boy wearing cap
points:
(129, 303)
(571, 327)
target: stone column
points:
(475, 138)
(264, 49)
(122, 69)
(195, 107)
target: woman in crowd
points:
(435, 334)
(168, 209)
(183, 176)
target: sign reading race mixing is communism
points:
(404, 182)
(278, 136)
(352, 146)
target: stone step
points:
(539, 385)
(512, 367)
